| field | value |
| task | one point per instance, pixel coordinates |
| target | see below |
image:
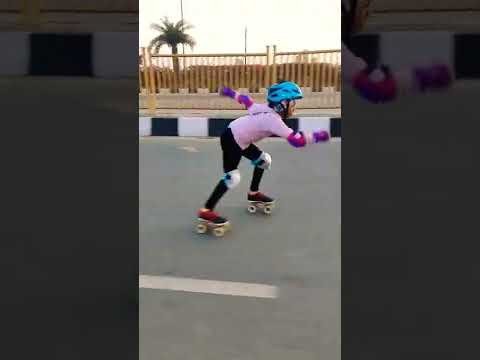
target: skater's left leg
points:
(261, 162)
(256, 178)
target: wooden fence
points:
(93, 6)
(51, 12)
(206, 73)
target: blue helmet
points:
(285, 90)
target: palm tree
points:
(171, 35)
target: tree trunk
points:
(176, 66)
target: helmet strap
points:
(281, 109)
(284, 111)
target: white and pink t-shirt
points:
(261, 122)
(351, 64)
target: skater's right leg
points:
(232, 154)
(229, 181)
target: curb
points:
(214, 127)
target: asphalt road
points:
(296, 250)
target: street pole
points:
(245, 45)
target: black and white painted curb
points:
(213, 127)
(410, 48)
(98, 54)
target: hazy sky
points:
(220, 24)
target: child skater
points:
(263, 120)
(379, 84)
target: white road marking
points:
(208, 286)
(188, 148)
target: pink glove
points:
(376, 91)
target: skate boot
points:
(208, 219)
(260, 201)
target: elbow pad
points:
(244, 100)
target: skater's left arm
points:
(240, 98)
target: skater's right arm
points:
(379, 84)
(240, 98)
(302, 138)
(295, 139)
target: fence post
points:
(324, 72)
(274, 75)
(305, 68)
(147, 64)
(153, 96)
(337, 72)
(267, 69)
(31, 12)
(151, 73)
(310, 82)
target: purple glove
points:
(320, 136)
(433, 77)
(226, 91)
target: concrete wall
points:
(421, 15)
(326, 100)
(432, 5)
(72, 22)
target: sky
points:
(219, 25)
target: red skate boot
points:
(208, 219)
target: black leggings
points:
(232, 154)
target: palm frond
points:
(183, 26)
(157, 43)
(158, 27)
(188, 40)
(156, 48)
(167, 23)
